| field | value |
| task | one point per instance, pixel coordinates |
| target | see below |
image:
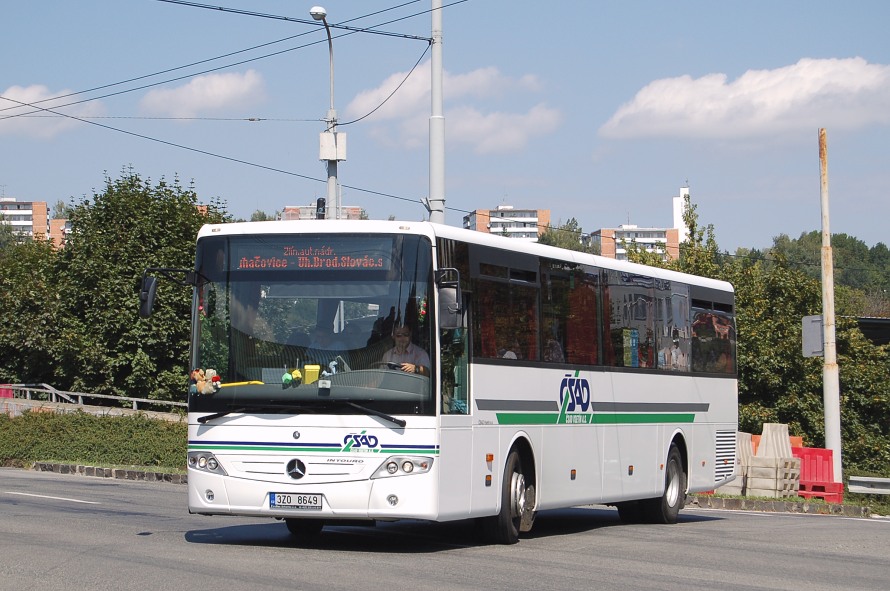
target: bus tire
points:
(503, 528)
(302, 528)
(666, 509)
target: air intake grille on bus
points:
(725, 456)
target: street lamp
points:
(332, 145)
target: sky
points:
(597, 111)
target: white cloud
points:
(466, 122)
(834, 93)
(18, 119)
(211, 93)
(500, 132)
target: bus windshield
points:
(305, 323)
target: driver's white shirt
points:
(413, 354)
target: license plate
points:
(302, 501)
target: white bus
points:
(555, 378)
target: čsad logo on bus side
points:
(574, 397)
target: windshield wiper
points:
(298, 408)
(376, 413)
(252, 407)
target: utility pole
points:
(830, 374)
(436, 202)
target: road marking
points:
(8, 492)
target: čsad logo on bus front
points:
(359, 442)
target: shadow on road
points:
(413, 536)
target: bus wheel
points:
(666, 509)
(503, 528)
(304, 527)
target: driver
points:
(406, 355)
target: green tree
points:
(856, 267)
(30, 312)
(566, 235)
(114, 237)
(262, 216)
(61, 210)
(777, 384)
(7, 236)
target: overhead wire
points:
(340, 25)
(351, 30)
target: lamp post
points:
(332, 145)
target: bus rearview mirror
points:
(147, 295)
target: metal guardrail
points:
(50, 394)
(869, 485)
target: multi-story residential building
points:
(505, 220)
(308, 212)
(58, 231)
(613, 241)
(29, 219)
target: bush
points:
(81, 438)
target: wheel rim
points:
(517, 495)
(672, 494)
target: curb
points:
(116, 473)
(777, 506)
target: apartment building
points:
(613, 242)
(308, 212)
(505, 220)
(29, 219)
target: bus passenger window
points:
(505, 313)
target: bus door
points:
(456, 433)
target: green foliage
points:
(127, 228)
(30, 312)
(81, 438)
(7, 236)
(777, 384)
(70, 318)
(566, 236)
(61, 210)
(261, 216)
(862, 272)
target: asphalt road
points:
(73, 532)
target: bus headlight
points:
(403, 465)
(205, 462)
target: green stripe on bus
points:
(509, 418)
(630, 418)
(210, 446)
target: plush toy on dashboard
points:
(197, 379)
(212, 382)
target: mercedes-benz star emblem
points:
(296, 469)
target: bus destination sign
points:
(314, 255)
